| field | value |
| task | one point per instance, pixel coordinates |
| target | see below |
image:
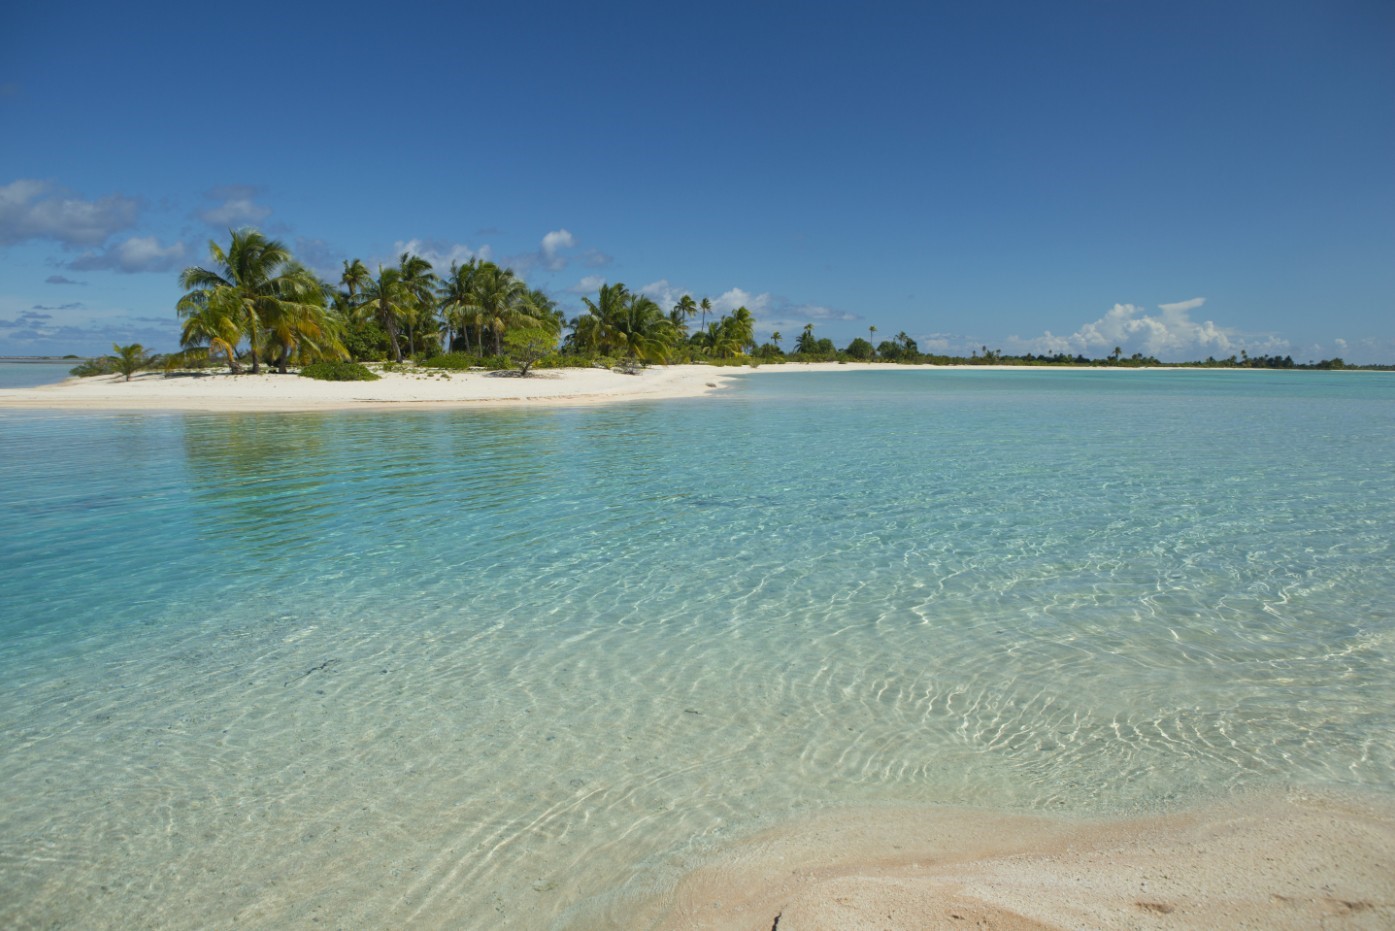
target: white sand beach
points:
(418, 387)
(1295, 861)
(424, 387)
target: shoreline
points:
(1296, 859)
(426, 389)
(221, 392)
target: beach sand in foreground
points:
(1299, 861)
(425, 388)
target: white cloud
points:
(136, 254)
(1171, 335)
(236, 208)
(31, 209)
(441, 255)
(733, 298)
(663, 293)
(588, 285)
(551, 243)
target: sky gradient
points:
(1182, 179)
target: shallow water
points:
(508, 668)
(33, 374)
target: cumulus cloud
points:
(733, 298)
(1170, 335)
(663, 293)
(551, 244)
(440, 254)
(61, 279)
(31, 209)
(133, 255)
(234, 207)
(588, 285)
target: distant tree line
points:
(253, 306)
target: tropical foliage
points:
(338, 371)
(256, 291)
(254, 303)
(128, 360)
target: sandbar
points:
(410, 387)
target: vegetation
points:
(257, 291)
(255, 303)
(338, 371)
(128, 360)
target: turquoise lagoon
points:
(518, 668)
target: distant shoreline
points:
(425, 388)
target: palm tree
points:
(130, 359)
(872, 338)
(355, 276)
(742, 328)
(499, 300)
(206, 323)
(775, 338)
(630, 324)
(304, 327)
(256, 281)
(420, 283)
(387, 300)
(456, 294)
(685, 310)
(706, 306)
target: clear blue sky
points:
(1182, 178)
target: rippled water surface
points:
(505, 669)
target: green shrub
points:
(102, 366)
(337, 371)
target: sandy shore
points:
(425, 388)
(219, 391)
(1299, 861)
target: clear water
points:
(507, 669)
(33, 374)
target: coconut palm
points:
(258, 282)
(208, 324)
(456, 294)
(130, 359)
(304, 328)
(706, 307)
(355, 276)
(387, 300)
(420, 283)
(631, 325)
(499, 299)
(742, 328)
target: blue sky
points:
(1182, 179)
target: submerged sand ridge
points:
(1301, 861)
(409, 387)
